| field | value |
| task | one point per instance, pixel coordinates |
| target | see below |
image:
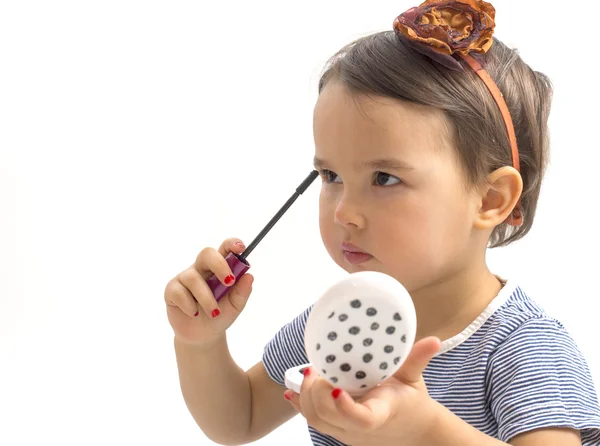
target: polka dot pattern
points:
(351, 321)
(356, 339)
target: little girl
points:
(431, 141)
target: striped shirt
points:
(514, 369)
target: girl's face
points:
(392, 188)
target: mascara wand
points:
(237, 262)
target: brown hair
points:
(380, 64)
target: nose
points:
(348, 213)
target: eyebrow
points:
(377, 164)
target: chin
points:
(369, 265)
(341, 262)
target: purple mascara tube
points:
(237, 262)
(238, 267)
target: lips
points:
(349, 247)
(354, 255)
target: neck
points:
(446, 308)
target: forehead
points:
(361, 128)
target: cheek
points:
(421, 240)
(326, 222)
(442, 229)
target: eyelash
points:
(325, 173)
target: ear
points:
(498, 197)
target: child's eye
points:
(329, 176)
(385, 179)
(380, 179)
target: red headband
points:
(445, 30)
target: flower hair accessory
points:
(447, 31)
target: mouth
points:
(354, 255)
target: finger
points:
(295, 401)
(210, 262)
(366, 416)
(200, 291)
(305, 398)
(177, 295)
(231, 245)
(420, 355)
(317, 404)
(323, 398)
(292, 397)
(237, 297)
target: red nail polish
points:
(197, 313)
(306, 371)
(229, 279)
(336, 393)
(287, 396)
(216, 312)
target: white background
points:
(134, 133)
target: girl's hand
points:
(193, 312)
(398, 412)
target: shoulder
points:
(514, 318)
(519, 309)
(526, 336)
(521, 325)
(511, 313)
(537, 376)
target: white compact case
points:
(359, 333)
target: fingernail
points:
(335, 393)
(306, 371)
(216, 312)
(240, 244)
(287, 396)
(229, 279)
(197, 313)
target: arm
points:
(451, 430)
(232, 407)
(548, 437)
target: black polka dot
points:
(318, 347)
(363, 386)
(383, 377)
(347, 347)
(403, 338)
(331, 315)
(361, 375)
(371, 311)
(397, 317)
(355, 303)
(390, 330)
(367, 357)
(388, 348)
(374, 326)
(367, 342)
(330, 358)
(396, 360)
(324, 371)
(383, 366)
(343, 317)
(345, 367)
(333, 379)
(332, 336)
(354, 330)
